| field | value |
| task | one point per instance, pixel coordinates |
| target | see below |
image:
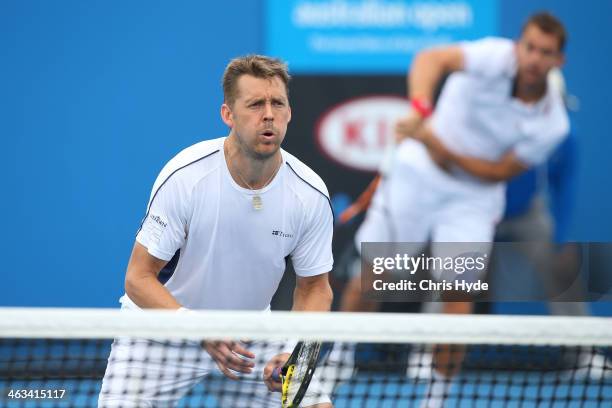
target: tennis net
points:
(58, 357)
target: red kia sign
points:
(355, 133)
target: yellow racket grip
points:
(285, 388)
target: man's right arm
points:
(489, 57)
(428, 68)
(143, 288)
(141, 283)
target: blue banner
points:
(363, 36)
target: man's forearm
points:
(423, 77)
(429, 67)
(147, 292)
(493, 171)
(486, 170)
(141, 283)
(316, 298)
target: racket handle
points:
(361, 203)
(276, 374)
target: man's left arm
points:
(504, 169)
(508, 166)
(312, 260)
(541, 136)
(312, 293)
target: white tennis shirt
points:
(232, 256)
(476, 114)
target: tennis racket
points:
(297, 372)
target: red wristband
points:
(423, 108)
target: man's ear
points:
(227, 116)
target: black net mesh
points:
(138, 372)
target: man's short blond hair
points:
(258, 66)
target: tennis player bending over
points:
(496, 117)
(222, 217)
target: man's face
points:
(537, 53)
(259, 115)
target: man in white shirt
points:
(495, 118)
(225, 214)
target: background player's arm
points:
(428, 68)
(508, 166)
(141, 283)
(504, 169)
(312, 293)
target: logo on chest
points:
(281, 234)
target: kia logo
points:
(354, 133)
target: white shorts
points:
(420, 203)
(145, 373)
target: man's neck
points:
(248, 171)
(528, 93)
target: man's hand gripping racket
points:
(296, 373)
